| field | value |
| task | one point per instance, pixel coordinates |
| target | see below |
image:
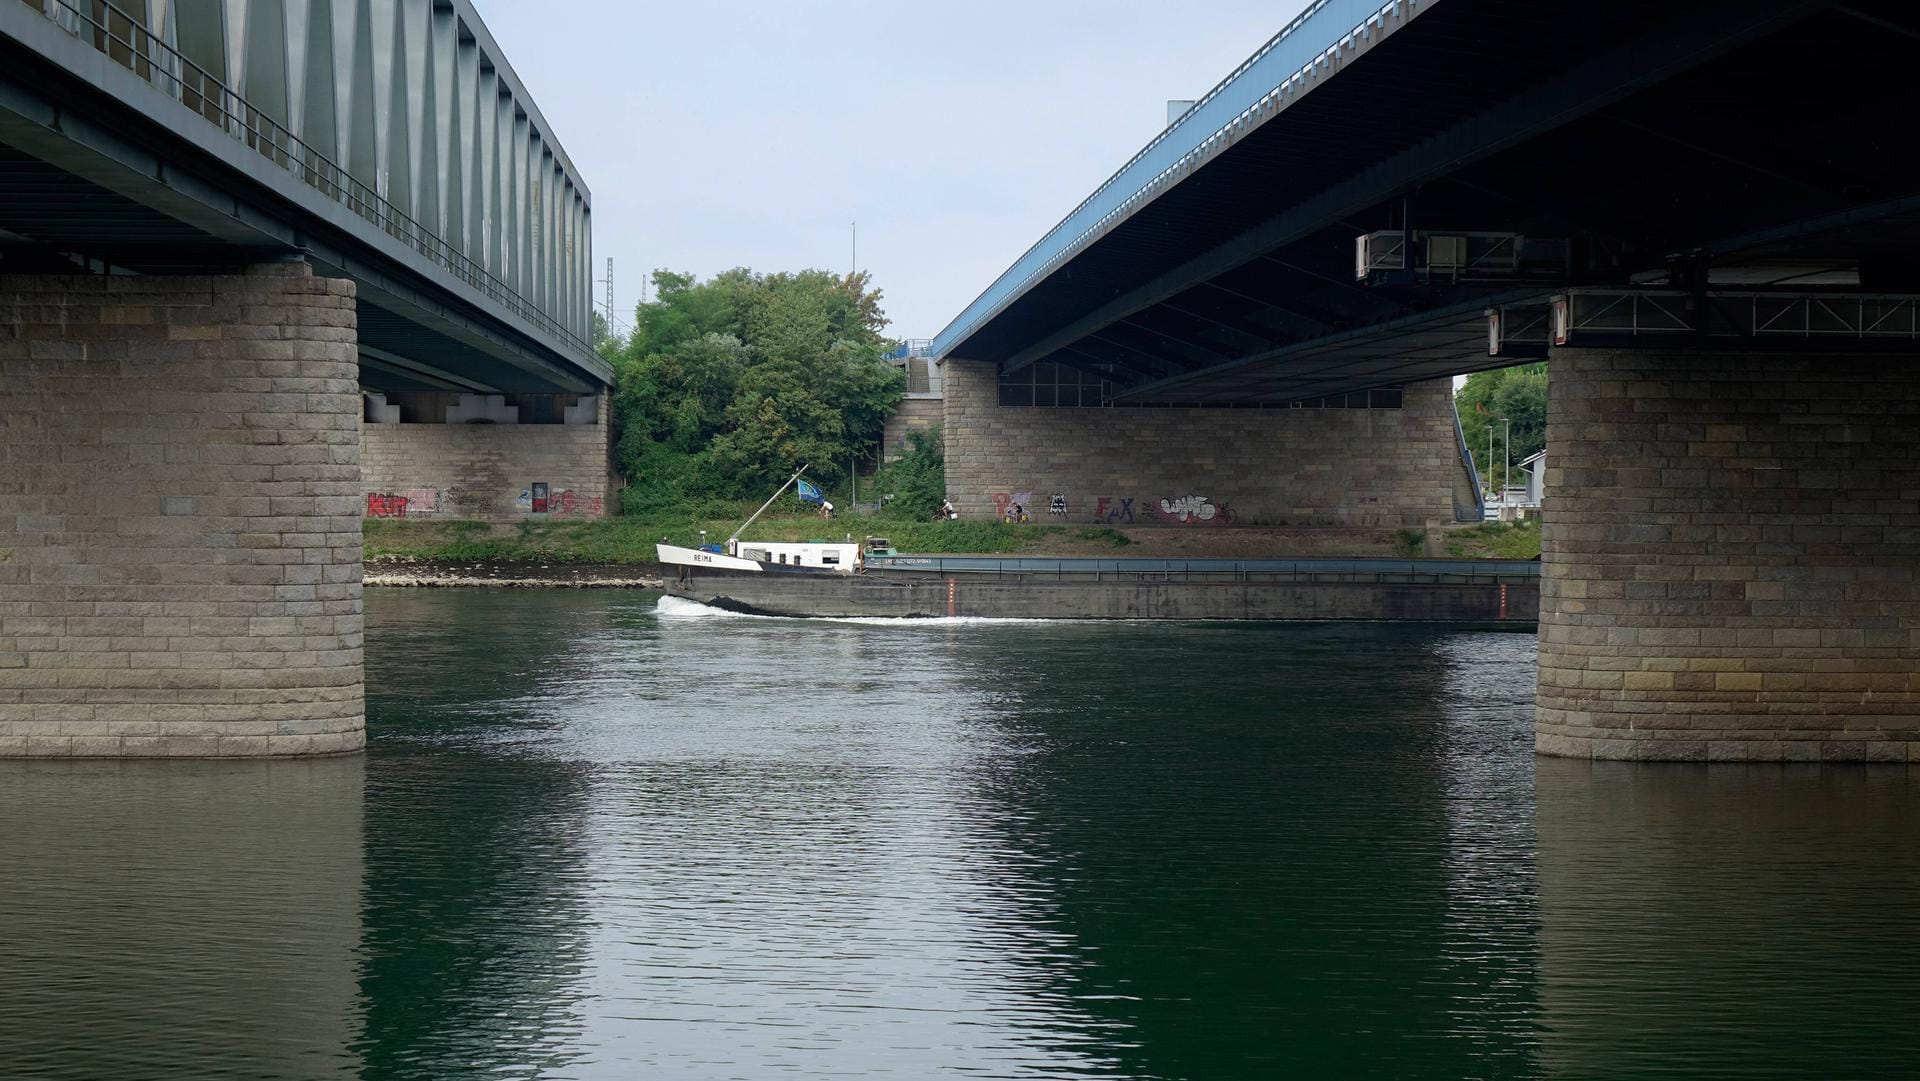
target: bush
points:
(918, 481)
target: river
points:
(596, 837)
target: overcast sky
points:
(722, 133)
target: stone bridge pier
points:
(179, 515)
(1732, 542)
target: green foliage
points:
(1413, 542)
(918, 481)
(727, 386)
(1104, 535)
(1517, 394)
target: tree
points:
(1517, 395)
(726, 386)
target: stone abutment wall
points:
(1187, 466)
(485, 471)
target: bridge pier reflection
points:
(179, 466)
(1731, 542)
(156, 910)
(1691, 915)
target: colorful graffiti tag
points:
(1004, 502)
(1192, 510)
(1112, 511)
(412, 503)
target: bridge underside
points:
(1615, 146)
(1705, 215)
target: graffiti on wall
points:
(568, 505)
(541, 499)
(1004, 504)
(1192, 510)
(1189, 509)
(412, 503)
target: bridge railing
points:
(126, 40)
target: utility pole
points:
(854, 266)
(609, 294)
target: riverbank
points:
(408, 572)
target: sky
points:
(722, 133)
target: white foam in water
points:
(682, 608)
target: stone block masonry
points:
(1732, 558)
(486, 471)
(179, 516)
(1201, 467)
(912, 415)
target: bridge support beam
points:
(179, 516)
(1732, 565)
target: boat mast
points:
(762, 510)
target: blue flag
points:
(810, 494)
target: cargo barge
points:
(821, 579)
(824, 579)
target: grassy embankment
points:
(1496, 540)
(630, 539)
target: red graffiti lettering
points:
(386, 505)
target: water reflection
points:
(791, 874)
(179, 919)
(603, 842)
(1247, 845)
(1483, 694)
(477, 931)
(1728, 920)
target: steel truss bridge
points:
(386, 141)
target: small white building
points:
(1536, 467)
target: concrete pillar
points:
(179, 516)
(1732, 544)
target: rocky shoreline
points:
(440, 574)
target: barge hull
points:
(1511, 601)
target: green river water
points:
(594, 837)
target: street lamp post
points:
(1489, 458)
(1506, 471)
